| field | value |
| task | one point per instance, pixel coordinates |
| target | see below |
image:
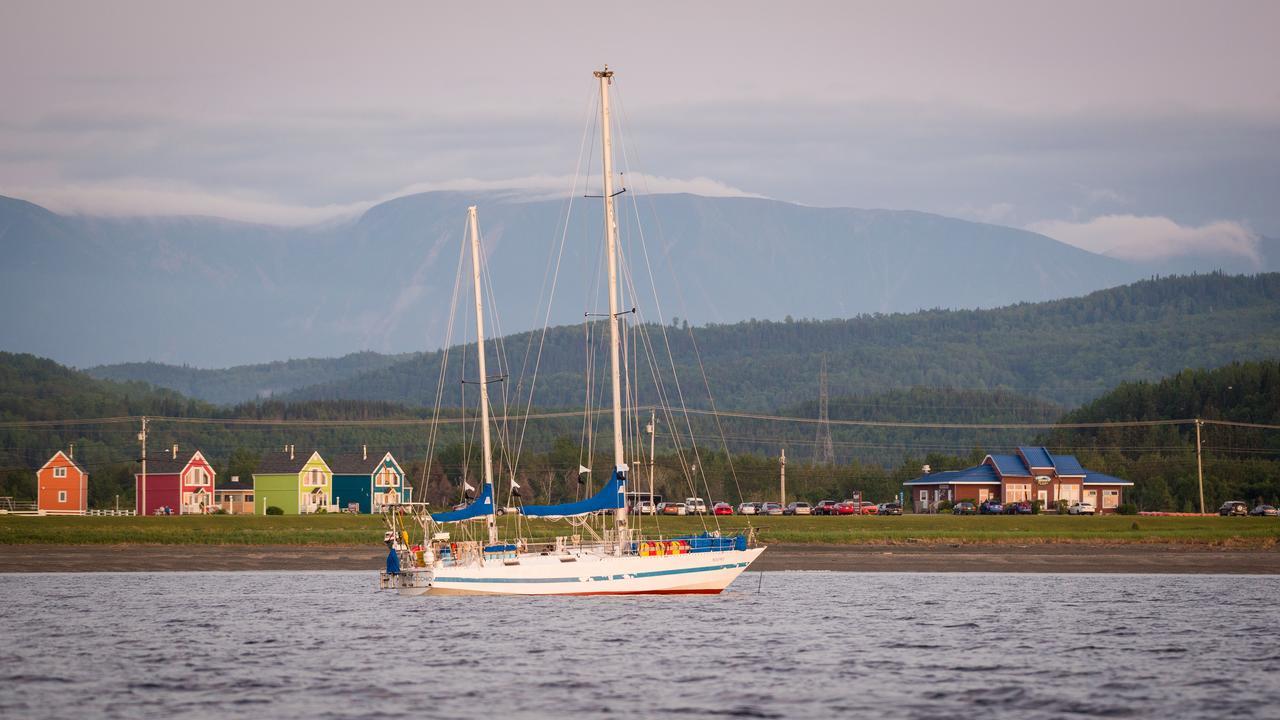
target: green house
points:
(297, 483)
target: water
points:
(327, 645)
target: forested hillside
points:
(1240, 463)
(245, 383)
(1065, 351)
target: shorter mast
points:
(490, 519)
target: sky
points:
(1137, 129)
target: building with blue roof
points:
(1031, 474)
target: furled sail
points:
(610, 497)
(483, 505)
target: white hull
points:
(584, 573)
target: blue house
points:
(368, 481)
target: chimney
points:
(71, 453)
(290, 452)
(364, 452)
(175, 451)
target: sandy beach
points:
(1044, 558)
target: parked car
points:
(847, 507)
(825, 507)
(1264, 511)
(867, 508)
(991, 507)
(722, 508)
(672, 508)
(1081, 508)
(695, 506)
(770, 508)
(1233, 507)
(1020, 507)
(890, 508)
(964, 508)
(749, 508)
(644, 507)
(798, 508)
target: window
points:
(387, 478)
(314, 478)
(62, 496)
(60, 472)
(248, 498)
(199, 476)
(1110, 498)
(1017, 492)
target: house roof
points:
(67, 459)
(1011, 465)
(979, 475)
(229, 484)
(1097, 478)
(280, 462)
(1036, 457)
(1068, 465)
(1015, 466)
(358, 463)
(163, 462)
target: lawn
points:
(923, 529)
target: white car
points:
(696, 506)
(645, 507)
(748, 509)
(1081, 508)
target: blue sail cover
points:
(483, 505)
(610, 497)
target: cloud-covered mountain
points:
(210, 292)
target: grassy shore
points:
(908, 529)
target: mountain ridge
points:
(210, 292)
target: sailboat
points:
(619, 562)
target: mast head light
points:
(605, 73)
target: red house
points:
(176, 484)
(62, 486)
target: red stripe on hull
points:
(707, 591)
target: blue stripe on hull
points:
(597, 578)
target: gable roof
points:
(1036, 457)
(229, 484)
(1068, 465)
(280, 462)
(1097, 478)
(67, 461)
(978, 475)
(1010, 465)
(162, 462)
(358, 463)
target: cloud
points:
(130, 197)
(1131, 237)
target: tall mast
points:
(490, 520)
(611, 237)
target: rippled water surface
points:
(318, 645)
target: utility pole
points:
(1200, 464)
(782, 477)
(142, 438)
(652, 427)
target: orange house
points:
(62, 486)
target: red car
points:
(869, 508)
(848, 507)
(722, 508)
(824, 507)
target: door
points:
(1043, 497)
(1091, 497)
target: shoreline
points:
(1002, 558)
